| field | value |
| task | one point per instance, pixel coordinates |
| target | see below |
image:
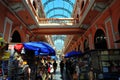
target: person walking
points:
(61, 67)
(54, 66)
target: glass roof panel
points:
(58, 8)
(58, 41)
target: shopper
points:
(51, 71)
(61, 67)
(91, 74)
(54, 66)
(27, 72)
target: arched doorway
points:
(16, 37)
(100, 40)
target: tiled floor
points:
(57, 76)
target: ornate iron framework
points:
(47, 2)
(58, 8)
(58, 15)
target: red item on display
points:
(18, 47)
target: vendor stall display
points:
(2, 45)
(4, 57)
(32, 53)
(105, 63)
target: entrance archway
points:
(100, 40)
(16, 37)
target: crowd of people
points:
(46, 70)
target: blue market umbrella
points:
(73, 54)
(40, 47)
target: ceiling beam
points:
(58, 31)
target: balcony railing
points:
(64, 21)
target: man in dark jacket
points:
(61, 67)
(54, 66)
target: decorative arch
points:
(100, 40)
(21, 32)
(16, 38)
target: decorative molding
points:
(86, 11)
(7, 20)
(112, 28)
(96, 26)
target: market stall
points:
(105, 64)
(33, 51)
(4, 57)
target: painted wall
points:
(9, 23)
(108, 22)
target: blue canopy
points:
(40, 48)
(73, 54)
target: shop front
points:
(105, 64)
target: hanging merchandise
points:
(18, 47)
(6, 55)
(1, 44)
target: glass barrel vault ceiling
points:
(58, 41)
(58, 9)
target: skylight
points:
(58, 8)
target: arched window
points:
(82, 5)
(16, 37)
(100, 40)
(34, 4)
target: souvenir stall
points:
(33, 51)
(4, 57)
(105, 64)
(84, 63)
(72, 64)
